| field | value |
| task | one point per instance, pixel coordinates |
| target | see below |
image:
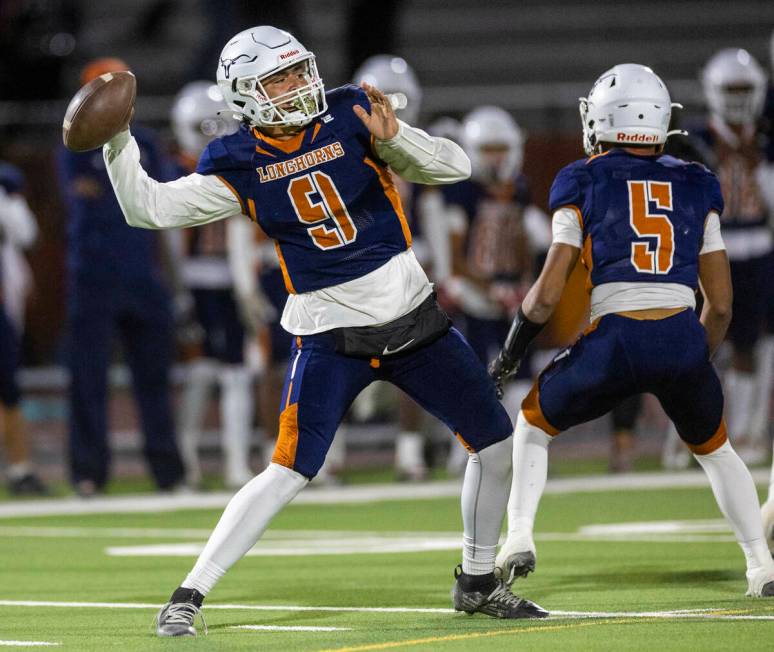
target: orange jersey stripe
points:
(284, 268)
(251, 209)
(235, 193)
(288, 146)
(260, 150)
(591, 158)
(392, 194)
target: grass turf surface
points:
(572, 575)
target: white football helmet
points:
(446, 127)
(393, 76)
(200, 114)
(491, 126)
(627, 105)
(255, 54)
(734, 86)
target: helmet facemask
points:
(590, 145)
(739, 104)
(295, 108)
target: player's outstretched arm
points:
(715, 280)
(146, 203)
(544, 295)
(412, 153)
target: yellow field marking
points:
(472, 635)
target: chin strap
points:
(507, 363)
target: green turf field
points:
(643, 582)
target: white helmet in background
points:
(492, 128)
(446, 127)
(255, 54)
(200, 114)
(734, 86)
(627, 105)
(393, 76)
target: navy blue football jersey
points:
(642, 216)
(325, 198)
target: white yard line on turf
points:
(354, 494)
(709, 614)
(27, 644)
(290, 628)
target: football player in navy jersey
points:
(311, 169)
(647, 228)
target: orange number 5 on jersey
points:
(653, 227)
(329, 207)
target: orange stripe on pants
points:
(713, 443)
(533, 413)
(287, 442)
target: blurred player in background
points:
(114, 284)
(311, 168)
(647, 227)
(394, 76)
(497, 238)
(730, 143)
(735, 88)
(207, 274)
(18, 232)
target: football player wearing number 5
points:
(311, 169)
(647, 228)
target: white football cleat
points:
(767, 515)
(517, 557)
(760, 584)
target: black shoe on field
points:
(490, 596)
(176, 618)
(27, 485)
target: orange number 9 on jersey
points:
(330, 207)
(646, 225)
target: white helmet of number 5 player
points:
(253, 55)
(197, 116)
(393, 76)
(627, 105)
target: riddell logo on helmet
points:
(287, 55)
(621, 137)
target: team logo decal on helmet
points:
(227, 63)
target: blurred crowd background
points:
(531, 58)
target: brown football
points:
(99, 110)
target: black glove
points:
(501, 368)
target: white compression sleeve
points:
(420, 158)
(530, 470)
(244, 520)
(150, 204)
(484, 496)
